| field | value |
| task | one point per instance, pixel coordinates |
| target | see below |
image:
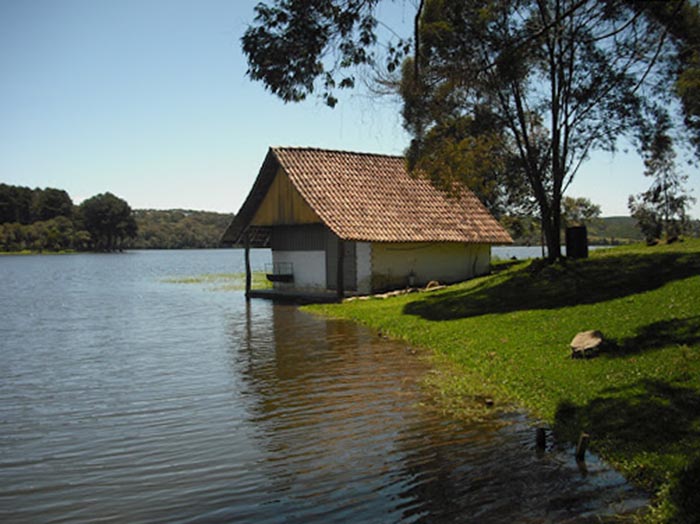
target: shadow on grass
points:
(500, 266)
(685, 493)
(568, 283)
(678, 331)
(648, 419)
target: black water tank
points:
(576, 242)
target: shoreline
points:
(28, 252)
(507, 335)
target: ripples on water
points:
(127, 399)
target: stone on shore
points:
(586, 344)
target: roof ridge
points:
(368, 197)
(327, 150)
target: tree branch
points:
(416, 37)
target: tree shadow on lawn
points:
(657, 335)
(568, 283)
(646, 419)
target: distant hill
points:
(614, 230)
(179, 229)
(188, 229)
(624, 230)
(601, 231)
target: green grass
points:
(224, 281)
(506, 336)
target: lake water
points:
(128, 398)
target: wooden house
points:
(357, 223)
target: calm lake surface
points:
(128, 398)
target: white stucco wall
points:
(363, 258)
(445, 262)
(309, 268)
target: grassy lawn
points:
(506, 336)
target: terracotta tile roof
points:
(370, 197)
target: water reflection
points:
(345, 436)
(127, 399)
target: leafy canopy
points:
(288, 45)
(544, 83)
(662, 209)
(507, 96)
(109, 221)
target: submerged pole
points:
(541, 439)
(582, 446)
(247, 265)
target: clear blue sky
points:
(148, 99)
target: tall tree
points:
(15, 204)
(662, 209)
(681, 20)
(109, 220)
(498, 91)
(578, 211)
(555, 79)
(25, 205)
(50, 203)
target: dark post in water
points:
(582, 446)
(247, 265)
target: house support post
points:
(247, 265)
(340, 282)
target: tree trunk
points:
(551, 221)
(554, 243)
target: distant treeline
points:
(22, 205)
(40, 220)
(179, 229)
(47, 220)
